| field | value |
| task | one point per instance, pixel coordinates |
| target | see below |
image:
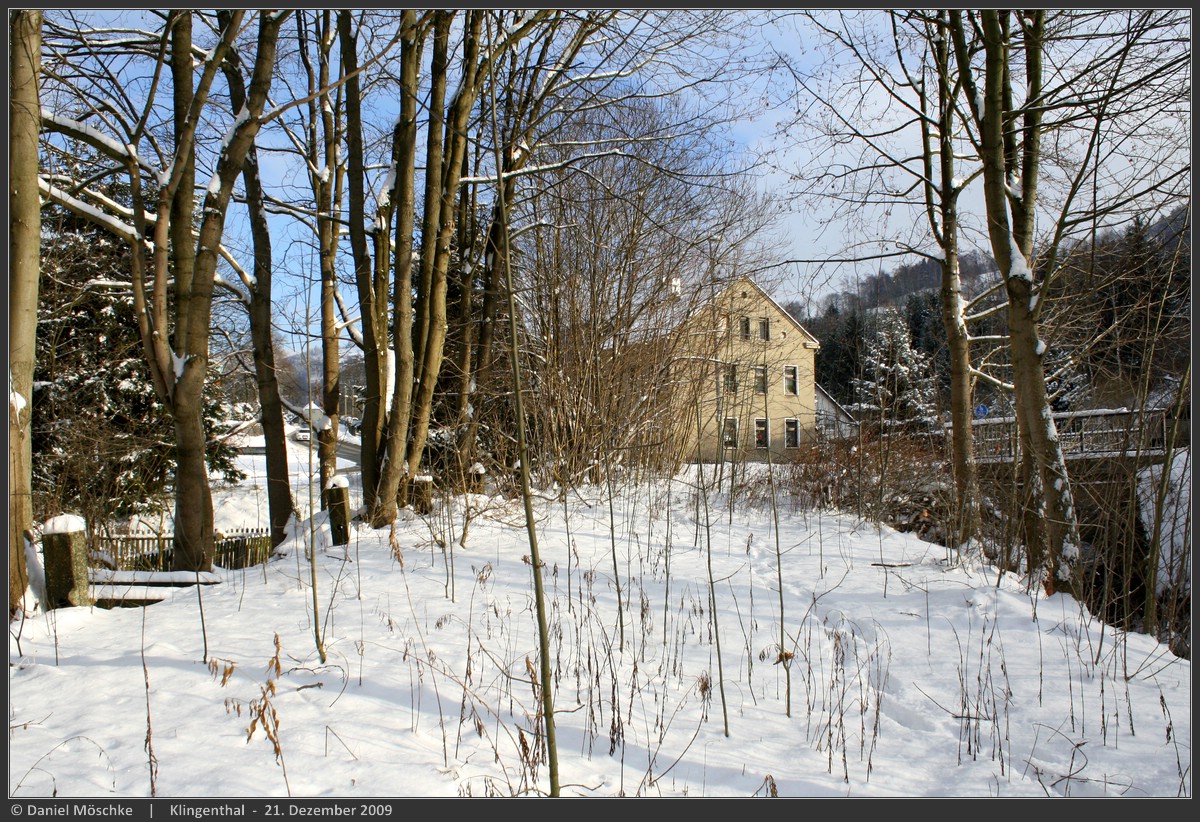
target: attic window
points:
(764, 328)
(745, 328)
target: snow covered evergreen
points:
(897, 386)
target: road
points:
(348, 451)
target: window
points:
(729, 432)
(764, 328)
(729, 381)
(791, 433)
(745, 328)
(791, 380)
(760, 379)
(762, 434)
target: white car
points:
(303, 435)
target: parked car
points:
(303, 435)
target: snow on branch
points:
(87, 211)
(93, 137)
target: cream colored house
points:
(749, 368)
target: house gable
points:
(754, 366)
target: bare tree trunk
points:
(327, 196)
(371, 276)
(429, 341)
(25, 228)
(193, 496)
(177, 353)
(966, 480)
(1011, 182)
(403, 199)
(279, 489)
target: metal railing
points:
(1085, 433)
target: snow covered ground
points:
(910, 674)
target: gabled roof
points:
(837, 406)
(744, 282)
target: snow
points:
(179, 363)
(64, 524)
(912, 674)
(16, 402)
(338, 481)
(106, 576)
(92, 135)
(385, 190)
(37, 575)
(86, 210)
(1174, 526)
(317, 419)
(1018, 269)
(243, 116)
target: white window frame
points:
(729, 383)
(794, 425)
(763, 424)
(760, 379)
(791, 373)
(725, 443)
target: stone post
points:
(337, 503)
(64, 547)
(475, 479)
(422, 494)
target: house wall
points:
(717, 342)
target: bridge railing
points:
(1083, 433)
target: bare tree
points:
(1106, 97)
(568, 105)
(394, 439)
(900, 82)
(174, 264)
(259, 306)
(909, 124)
(25, 228)
(618, 256)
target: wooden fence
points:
(148, 551)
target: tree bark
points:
(966, 479)
(327, 196)
(428, 352)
